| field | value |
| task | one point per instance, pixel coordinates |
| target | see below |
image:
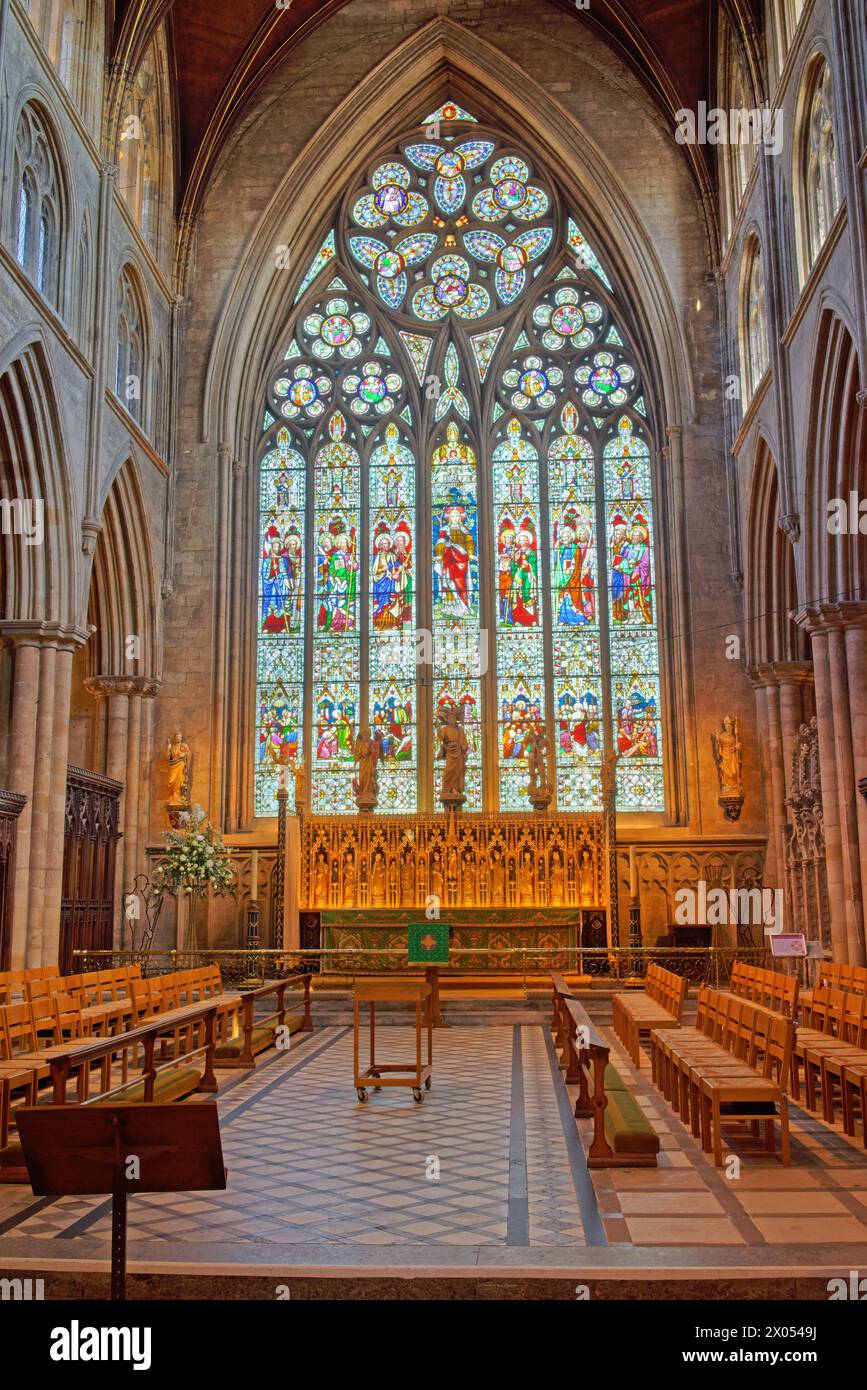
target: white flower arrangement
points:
(196, 858)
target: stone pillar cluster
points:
(784, 701)
(838, 632)
(129, 737)
(36, 767)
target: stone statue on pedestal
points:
(728, 756)
(366, 751)
(453, 750)
(538, 790)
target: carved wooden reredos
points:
(486, 861)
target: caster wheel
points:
(427, 1084)
(362, 1095)
(376, 1076)
(417, 1095)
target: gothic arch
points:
(816, 181)
(835, 562)
(438, 59)
(35, 106)
(41, 582)
(123, 589)
(441, 60)
(770, 582)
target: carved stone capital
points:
(101, 687)
(90, 529)
(861, 398)
(830, 617)
(775, 673)
(790, 525)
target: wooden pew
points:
(256, 1034)
(622, 1136)
(658, 1005)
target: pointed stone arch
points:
(777, 653)
(442, 60)
(117, 675)
(835, 562)
(40, 582)
(834, 614)
(41, 620)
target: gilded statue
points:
(527, 881)
(468, 883)
(453, 751)
(556, 895)
(407, 880)
(300, 786)
(586, 877)
(498, 882)
(321, 881)
(349, 882)
(377, 881)
(437, 883)
(180, 761)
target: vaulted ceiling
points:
(225, 50)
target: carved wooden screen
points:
(89, 849)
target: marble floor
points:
(489, 1170)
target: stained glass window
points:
(460, 431)
(455, 585)
(520, 610)
(635, 699)
(392, 551)
(281, 613)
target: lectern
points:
(79, 1150)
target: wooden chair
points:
(757, 1097)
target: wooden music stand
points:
(79, 1150)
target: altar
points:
(501, 882)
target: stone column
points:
(838, 659)
(784, 701)
(856, 662)
(773, 872)
(126, 755)
(38, 750)
(49, 929)
(22, 761)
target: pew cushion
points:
(170, 1084)
(626, 1126)
(263, 1036)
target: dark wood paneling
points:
(90, 839)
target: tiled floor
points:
(491, 1161)
(688, 1201)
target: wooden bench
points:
(622, 1136)
(658, 1005)
(733, 1066)
(88, 1058)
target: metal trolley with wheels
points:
(379, 1074)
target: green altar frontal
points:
(473, 929)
